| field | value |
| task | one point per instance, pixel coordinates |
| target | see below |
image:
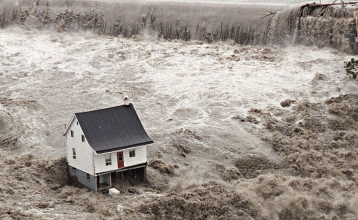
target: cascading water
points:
(255, 131)
(323, 26)
(283, 27)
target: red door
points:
(120, 159)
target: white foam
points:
(197, 85)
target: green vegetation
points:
(352, 67)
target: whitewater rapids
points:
(173, 84)
(189, 96)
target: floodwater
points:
(225, 145)
(191, 84)
(259, 2)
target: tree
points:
(352, 67)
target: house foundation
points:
(79, 177)
(103, 181)
(119, 178)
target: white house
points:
(104, 143)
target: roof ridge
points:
(129, 105)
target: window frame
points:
(83, 138)
(132, 153)
(108, 160)
(74, 156)
(72, 133)
(88, 177)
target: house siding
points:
(84, 153)
(100, 162)
(140, 157)
(82, 178)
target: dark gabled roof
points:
(113, 128)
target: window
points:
(73, 169)
(108, 159)
(77, 123)
(88, 177)
(72, 133)
(132, 153)
(120, 156)
(83, 138)
(74, 153)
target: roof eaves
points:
(125, 147)
(69, 125)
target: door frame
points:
(120, 163)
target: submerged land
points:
(250, 130)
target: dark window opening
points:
(83, 138)
(74, 153)
(132, 153)
(72, 134)
(73, 169)
(88, 177)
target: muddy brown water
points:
(225, 147)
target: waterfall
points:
(309, 25)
